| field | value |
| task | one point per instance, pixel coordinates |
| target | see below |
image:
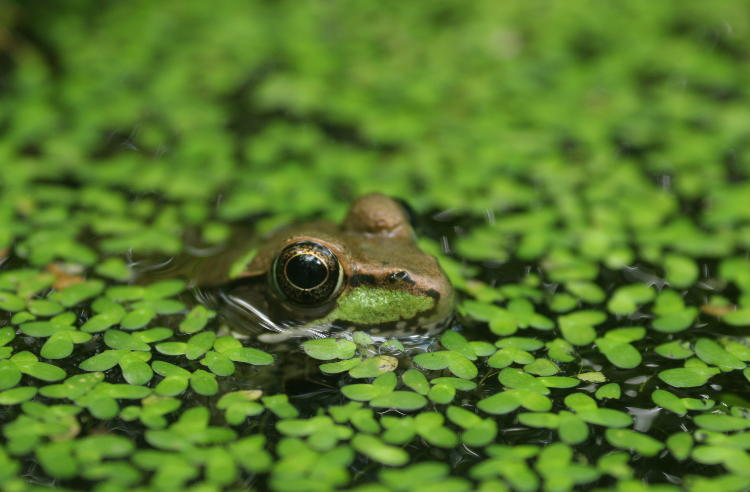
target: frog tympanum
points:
(366, 273)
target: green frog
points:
(366, 273)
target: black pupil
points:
(306, 271)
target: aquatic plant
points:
(580, 168)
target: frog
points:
(366, 273)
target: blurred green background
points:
(449, 104)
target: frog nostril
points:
(400, 276)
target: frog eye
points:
(307, 273)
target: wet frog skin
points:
(366, 273)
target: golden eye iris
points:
(307, 273)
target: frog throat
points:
(376, 306)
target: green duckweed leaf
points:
(42, 329)
(218, 363)
(329, 348)
(623, 355)
(196, 319)
(340, 366)
(77, 293)
(499, 403)
(626, 299)
(249, 355)
(442, 393)
(540, 420)
(398, 430)
(420, 474)
(580, 402)
(515, 378)
(363, 419)
(375, 449)
(740, 317)
(456, 342)
(458, 383)
(152, 335)
(609, 391)
(669, 401)
(204, 383)
(562, 303)
(114, 268)
(712, 353)
(43, 307)
(687, 377)
(401, 400)
(57, 459)
(102, 361)
(374, 366)
(462, 367)
(571, 428)
(164, 288)
(362, 392)
(280, 406)
(674, 350)
(172, 386)
(59, 345)
(482, 349)
(11, 302)
(559, 381)
(416, 380)
(508, 401)
(680, 444)
(429, 426)
(606, 417)
(171, 348)
(17, 395)
(199, 344)
(682, 271)
(632, 440)
(592, 377)
(586, 291)
(578, 328)
(137, 318)
(542, 367)
(721, 423)
(120, 340)
(433, 360)
(560, 350)
(463, 417)
(22, 317)
(10, 375)
(675, 321)
(100, 322)
(34, 368)
(481, 434)
(135, 370)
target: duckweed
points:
(579, 169)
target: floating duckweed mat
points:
(581, 169)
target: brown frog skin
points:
(366, 273)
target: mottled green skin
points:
(371, 306)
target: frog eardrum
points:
(307, 273)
